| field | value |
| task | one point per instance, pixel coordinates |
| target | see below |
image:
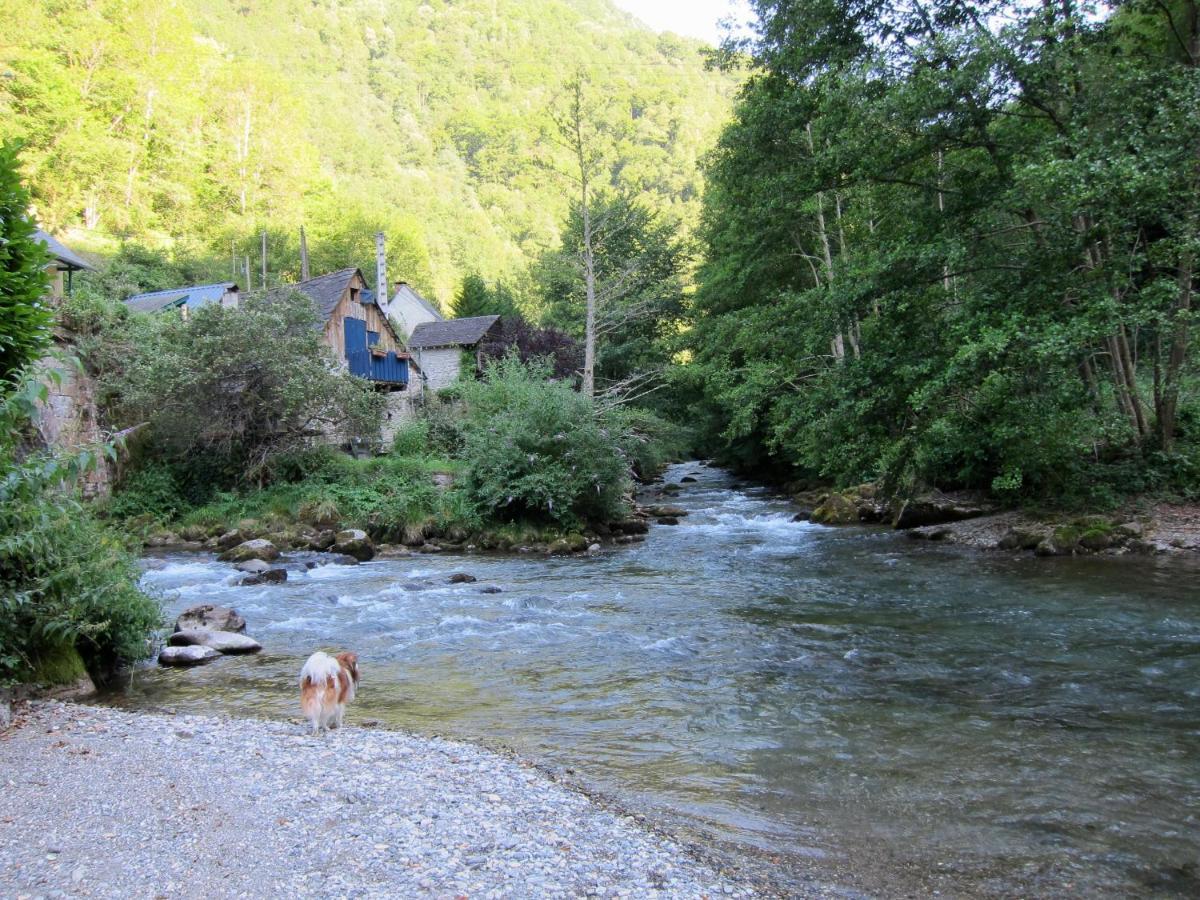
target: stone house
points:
(442, 348)
(440, 345)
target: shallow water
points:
(892, 715)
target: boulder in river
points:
(219, 641)
(665, 510)
(354, 542)
(253, 566)
(255, 549)
(210, 617)
(688, 479)
(938, 509)
(838, 509)
(668, 520)
(462, 578)
(267, 576)
(322, 541)
(186, 656)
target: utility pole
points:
(303, 256)
(264, 260)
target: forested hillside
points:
(954, 243)
(194, 125)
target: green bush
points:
(412, 439)
(648, 441)
(534, 449)
(150, 491)
(66, 582)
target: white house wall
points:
(441, 366)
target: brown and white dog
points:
(327, 684)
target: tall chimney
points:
(381, 284)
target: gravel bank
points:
(97, 802)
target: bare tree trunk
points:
(838, 341)
(1169, 405)
(589, 275)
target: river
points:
(883, 715)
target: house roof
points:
(61, 252)
(451, 332)
(326, 290)
(194, 297)
(404, 290)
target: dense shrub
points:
(648, 441)
(238, 387)
(534, 448)
(24, 319)
(68, 586)
(151, 491)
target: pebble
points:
(256, 808)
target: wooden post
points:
(264, 260)
(303, 256)
(246, 266)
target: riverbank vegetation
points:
(69, 601)
(953, 244)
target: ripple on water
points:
(1020, 726)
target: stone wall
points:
(401, 408)
(441, 366)
(69, 419)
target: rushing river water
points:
(892, 716)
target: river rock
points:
(838, 509)
(559, 547)
(677, 512)
(254, 549)
(232, 538)
(630, 526)
(805, 515)
(219, 641)
(322, 541)
(210, 617)
(462, 578)
(354, 542)
(671, 488)
(252, 566)
(688, 479)
(668, 520)
(938, 509)
(268, 576)
(186, 656)
(338, 559)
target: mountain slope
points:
(198, 123)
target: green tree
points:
(945, 244)
(237, 387)
(639, 265)
(24, 316)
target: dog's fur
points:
(327, 684)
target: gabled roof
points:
(404, 290)
(327, 290)
(61, 252)
(452, 332)
(194, 297)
